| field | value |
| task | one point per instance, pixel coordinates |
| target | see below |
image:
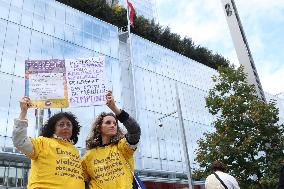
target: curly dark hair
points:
(48, 128)
(95, 139)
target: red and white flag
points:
(131, 12)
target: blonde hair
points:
(95, 139)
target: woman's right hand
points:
(25, 104)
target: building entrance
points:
(13, 171)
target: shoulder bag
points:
(220, 181)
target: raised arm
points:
(20, 139)
(133, 129)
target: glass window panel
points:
(50, 10)
(47, 47)
(8, 62)
(69, 51)
(29, 5)
(3, 121)
(154, 147)
(2, 174)
(39, 7)
(78, 37)
(96, 44)
(17, 93)
(105, 33)
(38, 22)
(15, 14)
(88, 40)
(82, 53)
(27, 18)
(24, 41)
(69, 33)
(20, 66)
(48, 26)
(105, 49)
(36, 45)
(17, 3)
(74, 18)
(58, 30)
(11, 37)
(60, 14)
(97, 30)
(32, 129)
(4, 9)
(9, 147)
(58, 48)
(3, 25)
(114, 44)
(5, 81)
(88, 23)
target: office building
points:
(40, 29)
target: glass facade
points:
(156, 72)
(144, 86)
(41, 29)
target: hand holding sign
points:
(25, 104)
(111, 103)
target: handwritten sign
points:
(45, 83)
(86, 81)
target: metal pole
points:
(40, 120)
(183, 136)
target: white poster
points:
(44, 86)
(86, 81)
(45, 83)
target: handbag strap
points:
(220, 180)
(134, 177)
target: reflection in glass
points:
(24, 42)
(39, 7)
(36, 45)
(38, 22)
(27, 18)
(11, 37)
(20, 66)
(15, 14)
(4, 9)
(48, 26)
(8, 62)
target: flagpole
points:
(131, 59)
(128, 21)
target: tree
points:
(248, 138)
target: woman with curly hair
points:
(55, 162)
(109, 161)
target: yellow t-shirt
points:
(55, 164)
(106, 166)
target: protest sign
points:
(45, 83)
(86, 81)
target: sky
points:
(204, 21)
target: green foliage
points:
(150, 30)
(247, 137)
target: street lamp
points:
(183, 136)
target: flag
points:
(131, 13)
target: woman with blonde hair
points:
(109, 161)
